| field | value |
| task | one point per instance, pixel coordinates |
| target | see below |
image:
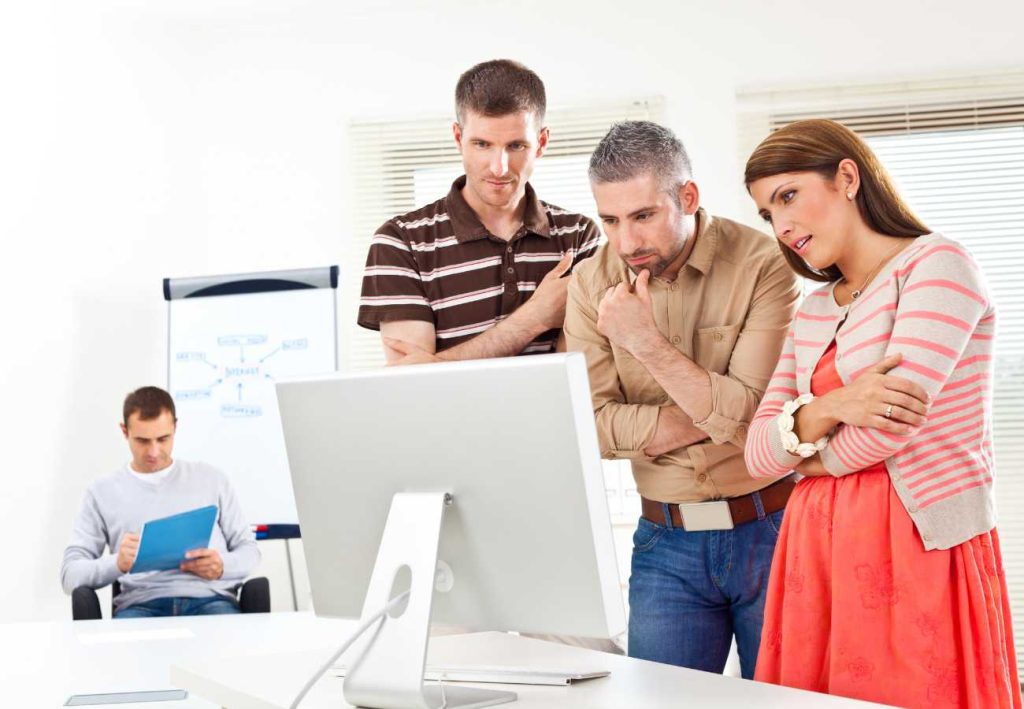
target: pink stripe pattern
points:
(931, 305)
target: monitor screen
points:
(528, 537)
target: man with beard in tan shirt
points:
(682, 316)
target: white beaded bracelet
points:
(790, 441)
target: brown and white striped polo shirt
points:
(439, 264)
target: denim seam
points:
(758, 505)
(659, 532)
(719, 541)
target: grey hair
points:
(633, 148)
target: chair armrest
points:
(85, 604)
(255, 595)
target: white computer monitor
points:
(524, 542)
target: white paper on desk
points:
(500, 674)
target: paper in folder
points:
(164, 541)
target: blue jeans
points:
(179, 605)
(689, 592)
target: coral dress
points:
(856, 607)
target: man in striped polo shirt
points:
(478, 273)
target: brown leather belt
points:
(742, 508)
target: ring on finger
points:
(888, 411)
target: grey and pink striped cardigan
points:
(931, 304)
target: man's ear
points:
(542, 140)
(124, 429)
(689, 197)
(457, 134)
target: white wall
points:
(140, 140)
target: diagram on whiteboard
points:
(225, 354)
(234, 369)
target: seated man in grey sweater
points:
(151, 486)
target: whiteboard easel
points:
(229, 338)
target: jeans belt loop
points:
(758, 504)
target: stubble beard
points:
(659, 266)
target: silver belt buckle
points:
(705, 516)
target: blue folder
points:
(165, 540)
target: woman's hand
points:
(866, 401)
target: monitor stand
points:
(391, 656)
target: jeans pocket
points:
(647, 535)
(774, 521)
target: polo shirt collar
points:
(467, 224)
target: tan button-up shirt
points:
(728, 310)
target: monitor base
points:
(453, 697)
(386, 668)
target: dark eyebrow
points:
(784, 184)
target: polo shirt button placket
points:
(511, 289)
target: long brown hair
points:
(819, 145)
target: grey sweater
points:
(120, 503)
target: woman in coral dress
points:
(887, 582)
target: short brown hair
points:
(500, 87)
(149, 403)
(819, 145)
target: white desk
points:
(262, 661)
(272, 681)
(43, 663)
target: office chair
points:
(253, 597)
